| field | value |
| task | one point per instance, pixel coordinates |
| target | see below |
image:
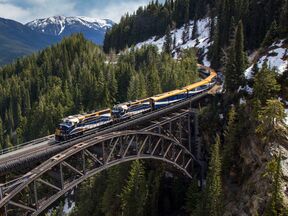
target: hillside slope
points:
(17, 40)
(201, 41)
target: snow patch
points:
(247, 89)
(276, 58)
(242, 101)
(201, 42)
(286, 119)
(68, 206)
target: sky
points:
(27, 10)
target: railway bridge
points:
(52, 169)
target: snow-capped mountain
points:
(92, 28)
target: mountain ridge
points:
(94, 29)
(18, 40)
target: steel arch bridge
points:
(39, 188)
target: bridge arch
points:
(38, 189)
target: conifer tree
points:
(271, 35)
(275, 206)
(153, 81)
(174, 41)
(142, 86)
(111, 203)
(185, 34)
(271, 123)
(134, 194)
(154, 184)
(133, 89)
(193, 198)
(236, 62)
(168, 41)
(195, 29)
(212, 202)
(265, 84)
(230, 71)
(284, 20)
(241, 60)
(230, 140)
(1, 135)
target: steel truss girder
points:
(85, 159)
(180, 126)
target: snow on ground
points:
(68, 206)
(246, 88)
(201, 42)
(286, 120)
(277, 58)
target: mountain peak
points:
(65, 26)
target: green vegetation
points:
(75, 76)
(212, 202)
(134, 194)
(275, 205)
(135, 188)
(236, 62)
(230, 144)
(266, 86)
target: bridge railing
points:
(20, 146)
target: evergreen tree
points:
(174, 41)
(90, 195)
(111, 203)
(230, 140)
(195, 29)
(193, 198)
(133, 90)
(153, 81)
(265, 84)
(275, 206)
(134, 194)
(185, 34)
(142, 86)
(154, 183)
(212, 202)
(168, 41)
(272, 128)
(236, 63)
(241, 61)
(284, 20)
(231, 78)
(271, 35)
(1, 135)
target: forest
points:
(240, 129)
(75, 76)
(258, 17)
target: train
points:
(73, 126)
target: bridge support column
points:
(3, 211)
(196, 135)
(195, 146)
